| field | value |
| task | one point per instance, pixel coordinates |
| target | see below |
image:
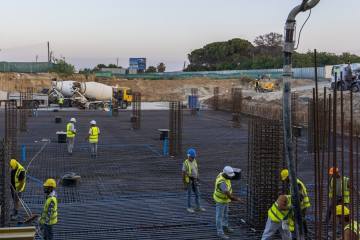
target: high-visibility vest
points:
(94, 136)
(346, 197)
(17, 182)
(189, 169)
(277, 215)
(52, 219)
(354, 227)
(305, 203)
(218, 195)
(61, 101)
(69, 133)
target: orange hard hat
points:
(333, 171)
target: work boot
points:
(200, 209)
(228, 230)
(190, 210)
(223, 236)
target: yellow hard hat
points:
(50, 183)
(339, 210)
(284, 174)
(13, 164)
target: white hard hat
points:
(93, 122)
(229, 171)
(73, 120)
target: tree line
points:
(264, 53)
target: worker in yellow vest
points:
(70, 135)
(61, 102)
(93, 137)
(190, 175)
(352, 228)
(223, 196)
(304, 197)
(18, 182)
(49, 215)
(280, 218)
(338, 195)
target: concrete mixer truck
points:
(90, 95)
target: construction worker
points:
(50, 211)
(61, 102)
(351, 229)
(280, 218)
(93, 137)
(190, 175)
(70, 135)
(304, 197)
(223, 196)
(339, 198)
(18, 182)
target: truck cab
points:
(123, 96)
(347, 77)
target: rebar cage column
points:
(236, 94)
(216, 98)
(8, 150)
(175, 127)
(264, 162)
(136, 110)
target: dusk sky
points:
(88, 32)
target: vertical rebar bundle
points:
(8, 150)
(175, 127)
(4, 188)
(236, 94)
(136, 110)
(30, 104)
(216, 98)
(193, 101)
(335, 145)
(115, 108)
(310, 131)
(294, 108)
(23, 111)
(11, 129)
(265, 157)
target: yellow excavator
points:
(262, 84)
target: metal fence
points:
(307, 73)
(26, 67)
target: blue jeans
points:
(222, 217)
(193, 187)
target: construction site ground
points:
(131, 191)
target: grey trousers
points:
(47, 231)
(93, 149)
(272, 227)
(70, 144)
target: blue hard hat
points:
(191, 152)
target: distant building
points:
(137, 64)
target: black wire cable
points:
(302, 27)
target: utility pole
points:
(48, 52)
(36, 58)
(117, 62)
(288, 50)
